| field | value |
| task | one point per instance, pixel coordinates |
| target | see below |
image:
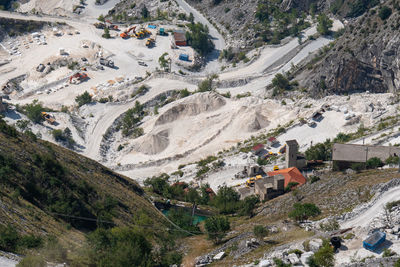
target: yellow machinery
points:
(150, 42)
(276, 168)
(142, 33)
(258, 177)
(251, 181)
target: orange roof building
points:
(291, 175)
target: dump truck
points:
(106, 62)
(47, 117)
(78, 78)
(150, 42)
(162, 32)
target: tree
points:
(145, 12)
(163, 62)
(191, 18)
(248, 205)
(385, 12)
(198, 37)
(101, 18)
(324, 24)
(260, 231)
(34, 111)
(120, 246)
(226, 200)
(83, 99)
(216, 228)
(320, 151)
(106, 33)
(304, 211)
(192, 196)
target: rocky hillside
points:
(364, 58)
(44, 187)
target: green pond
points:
(196, 218)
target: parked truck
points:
(106, 62)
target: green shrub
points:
(387, 252)
(357, 166)
(390, 205)
(392, 160)
(260, 231)
(83, 99)
(385, 12)
(314, 179)
(34, 111)
(374, 163)
(304, 211)
(290, 186)
(325, 257)
(32, 261)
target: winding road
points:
(271, 55)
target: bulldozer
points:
(48, 118)
(150, 42)
(78, 78)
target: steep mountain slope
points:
(44, 187)
(364, 58)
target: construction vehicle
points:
(48, 118)
(106, 62)
(142, 33)
(276, 168)
(150, 42)
(250, 182)
(78, 78)
(258, 177)
(100, 25)
(162, 32)
(125, 34)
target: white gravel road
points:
(376, 210)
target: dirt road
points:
(376, 210)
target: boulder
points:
(293, 258)
(305, 256)
(265, 263)
(315, 244)
(219, 256)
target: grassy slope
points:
(25, 190)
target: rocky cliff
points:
(364, 58)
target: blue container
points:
(374, 240)
(184, 57)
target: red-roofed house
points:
(257, 148)
(272, 141)
(291, 175)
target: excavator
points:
(78, 78)
(125, 34)
(48, 118)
